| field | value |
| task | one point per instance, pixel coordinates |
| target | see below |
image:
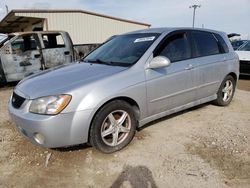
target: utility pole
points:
(194, 7)
(7, 9)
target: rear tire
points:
(113, 127)
(226, 91)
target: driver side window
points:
(176, 48)
(17, 46)
(23, 44)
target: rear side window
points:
(53, 41)
(176, 48)
(222, 44)
(205, 44)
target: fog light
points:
(39, 138)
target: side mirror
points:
(159, 62)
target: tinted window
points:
(222, 44)
(176, 48)
(205, 44)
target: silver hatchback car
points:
(130, 80)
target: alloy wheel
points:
(115, 127)
(227, 91)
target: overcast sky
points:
(225, 15)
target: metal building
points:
(83, 26)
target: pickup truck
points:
(25, 53)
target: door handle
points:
(189, 67)
(66, 53)
(36, 55)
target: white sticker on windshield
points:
(144, 39)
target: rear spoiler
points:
(233, 35)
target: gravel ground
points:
(206, 146)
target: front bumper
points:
(65, 129)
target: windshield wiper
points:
(96, 61)
(112, 63)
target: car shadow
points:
(73, 148)
(173, 116)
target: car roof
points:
(32, 32)
(170, 29)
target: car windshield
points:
(123, 50)
(245, 47)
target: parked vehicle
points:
(236, 44)
(127, 82)
(23, 54)
(244, 56)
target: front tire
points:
(226, 91)
(113, 127)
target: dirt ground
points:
(206, 146)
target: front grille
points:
(17, 100)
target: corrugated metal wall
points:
(85, 28)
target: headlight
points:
(50, 105)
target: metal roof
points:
(11, 21)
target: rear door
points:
(211, 62)
(175, 85)
(56, 50)
(21, 57)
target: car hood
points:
(64, 79)
(243, 55)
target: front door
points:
(21, 57)
(175, 85)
